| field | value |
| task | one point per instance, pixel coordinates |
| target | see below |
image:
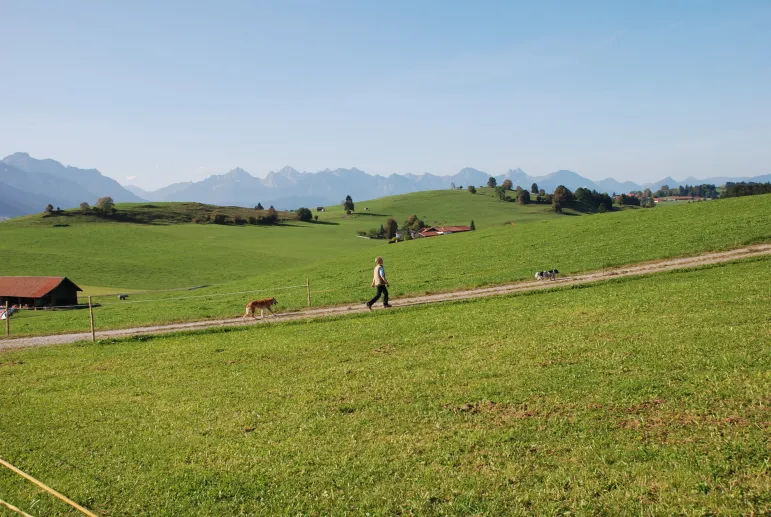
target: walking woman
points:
(379, 281)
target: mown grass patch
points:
(636, 396)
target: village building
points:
(433, 231)
(38, 291)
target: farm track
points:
(482, 292)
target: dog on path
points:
(543, 275)
(252, 306)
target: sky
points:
(152, 93)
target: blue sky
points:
(154, 94)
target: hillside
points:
(277, 261)
(163, 252)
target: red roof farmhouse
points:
(38, 291)
(433, 231)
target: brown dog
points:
(252, 306)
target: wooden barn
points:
(38, 291)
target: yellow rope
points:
(48, 489)
(12, 507)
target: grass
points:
(645, 396)
(124, 255)
(495, 255)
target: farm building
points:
(433, 231)
(38, 291)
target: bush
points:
(602, 209)
(219, 218)
(556, 206)
(197, 220)
(105, 204)
(507, 184)
(239, 220)
(49, 208)
(252, 219)
(304, 214)
(472, 189)
(84, 206)
(524, 197)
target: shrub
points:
(105, 204)
(197, 220)
(239, 220)
(49, 208)
(473, 226)
(304, 214)
(315, 218)
(217, 218)
(472, 189)
(524, 197)
(507, 184)
(602, 209)
(84, 206)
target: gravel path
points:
(595, 276)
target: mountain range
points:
(28, 184)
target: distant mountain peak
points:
(287, 170)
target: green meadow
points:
(255, 262)
(644, 396)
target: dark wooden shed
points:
(38, 291)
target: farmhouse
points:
(38, 291)
(433, 231)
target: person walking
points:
(379, 281)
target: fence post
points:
(7, 320)
(308, 287)
(91, 314)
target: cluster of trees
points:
(704, 190)
(269, 217)
(104, 204)
(746, 189)
(600, 201)
(389, 229)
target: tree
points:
(563, 194)
(348, 204)
(491, 182)
(84, 206)
(413, 223)
(304, 214)
(501, 193)
(381, 232)
(472, 189)
(534, 188)
(524, 197)
(473, 226)
(390, 228)
(556, 206)
(49, 208)
(507, 184)
(105, 204)
(271, 208)
(259, 207)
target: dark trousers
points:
(381, 289)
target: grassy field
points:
(494, 255)
(122, 255)
(647, 396)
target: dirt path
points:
(595, 276)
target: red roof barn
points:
(38, 291)
(433, 231)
